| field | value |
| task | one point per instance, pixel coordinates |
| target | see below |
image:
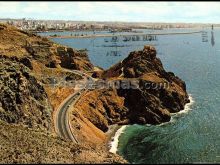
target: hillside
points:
(28, 101)
(140, 92)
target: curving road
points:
(62, 125)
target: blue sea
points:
(191, 137)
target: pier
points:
(123, 35)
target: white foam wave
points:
(114, 142)
(172, 120)
(186, 109)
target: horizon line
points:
(107, 21)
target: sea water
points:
(193, 135)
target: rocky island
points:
(140, 92)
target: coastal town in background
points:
(65, 25)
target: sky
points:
(189, 12)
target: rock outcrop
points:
(28, 64)
(139, 91)
(73, 59)
(23, 99)
(19, 43)
(145, 93)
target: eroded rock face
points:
(157, 93)
(145, 67)
(25, 107)
(136, 64)
(22, 98)
(73, 59)
(15, 42)
(103, 107)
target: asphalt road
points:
(62, 114)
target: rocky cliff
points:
(28, 63)
(19, 43)
(144, 93)
(138, 90)
(26, 59)
(22, 97)
(145, 67)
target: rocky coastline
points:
(136, 90)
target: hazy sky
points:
(115, 11)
